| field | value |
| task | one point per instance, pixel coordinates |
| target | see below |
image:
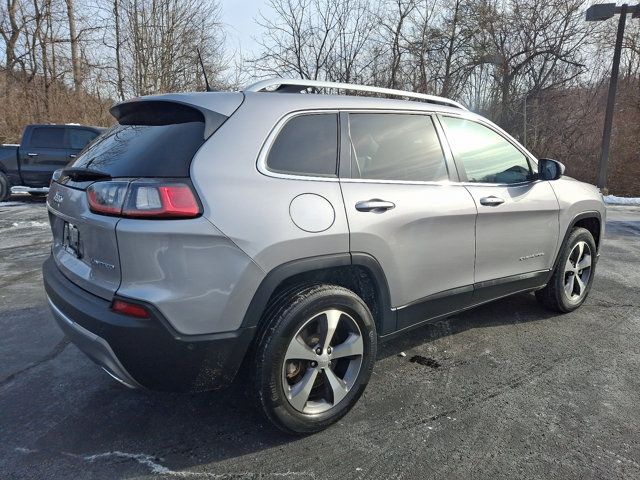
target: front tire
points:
(573, 275)
(314, 358)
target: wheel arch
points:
(592, 221)
(359, 272)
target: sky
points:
(239, 15)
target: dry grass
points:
(25, 102)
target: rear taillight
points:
(107, 197)
(148, 198)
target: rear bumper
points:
(143, 352)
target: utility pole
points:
(598, 12)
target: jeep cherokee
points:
(289, 230)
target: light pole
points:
(605, 11)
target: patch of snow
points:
(156, 468)
(15, 190)
(24, 450)
(30, 224)
(613, 200)
(11, 204)
(142, 458)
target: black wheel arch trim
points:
(278, 275)
(581, 216)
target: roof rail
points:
(289, 85)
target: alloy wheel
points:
(322, 361)
(577, 272)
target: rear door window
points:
(78, 138)
(389, 146)
(306, 145)
(47, 137)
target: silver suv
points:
(280, 233)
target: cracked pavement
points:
(508, 390)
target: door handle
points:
(491, 201)
(374, 205)
(31, 154)
(72, 155)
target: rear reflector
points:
(146, 198)
(130, 309)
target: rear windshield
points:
(152, 139)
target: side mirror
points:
(549, 169)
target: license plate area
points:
(71, 239)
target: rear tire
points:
(314, 358)
(5, 187)
(573, 275)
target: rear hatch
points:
(155, 138)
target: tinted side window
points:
(306, 145)
(78, 138)
(389, 146)
(487, 157)
(44, 137)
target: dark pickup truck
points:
(43, 149)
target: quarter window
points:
(388, 146)
(78, 138)
(306, 145)
(487, 157)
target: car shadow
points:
(520, 308)
(199, 429)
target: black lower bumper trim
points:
(143, 352)
(94, 347)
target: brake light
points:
(130, 309)
(172, 200)
(147, 198)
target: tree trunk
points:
(120, 76)
(75, 54)
(12, 38)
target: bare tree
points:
(394, 21)
(315, 39)
(156, 43)
(10, 31)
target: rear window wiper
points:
(83, 174)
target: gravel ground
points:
(508, 390)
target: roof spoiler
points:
(211, 108)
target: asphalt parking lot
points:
(508, 390)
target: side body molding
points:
(389, 320)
